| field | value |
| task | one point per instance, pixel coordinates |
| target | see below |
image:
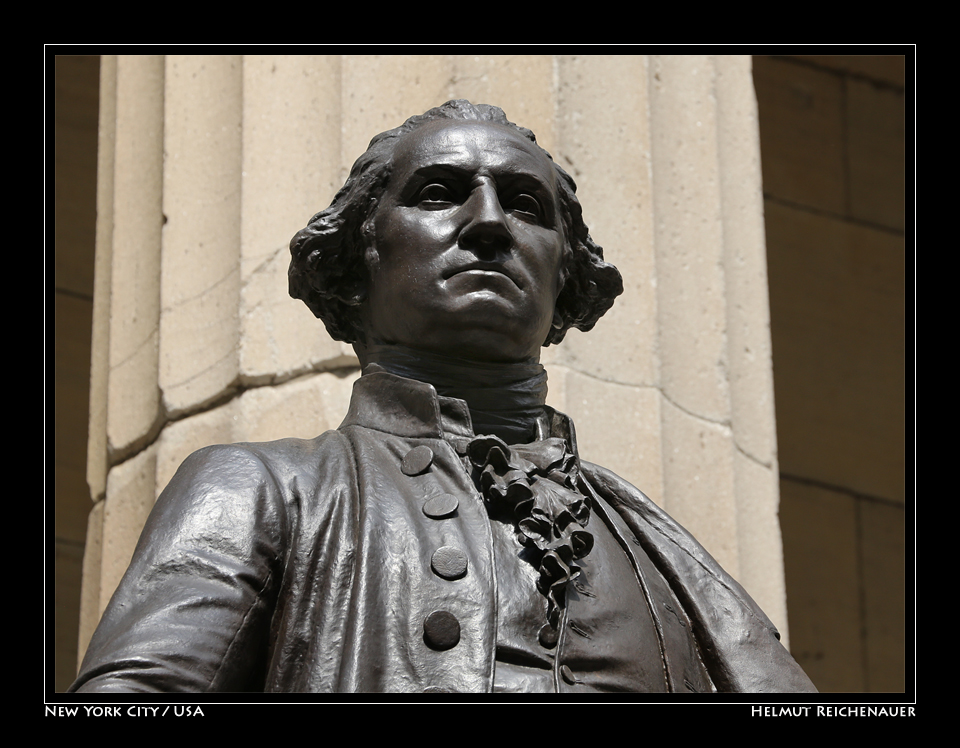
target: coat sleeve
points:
(193, 611)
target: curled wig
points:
(327, 270)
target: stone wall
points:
(832, 135)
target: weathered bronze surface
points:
(446, 538)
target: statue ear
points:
(557, 320)
(371, 258)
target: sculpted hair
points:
(327, 270)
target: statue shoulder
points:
(277, 462)
(266, 479)
(210, 564)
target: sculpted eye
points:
(435, 195)
(526, 205)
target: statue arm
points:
(193, 611)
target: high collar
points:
(406, 407)
(505, 399)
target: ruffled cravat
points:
(538, 481)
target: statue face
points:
(464, 249)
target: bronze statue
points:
(446, 538)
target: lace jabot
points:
(538, 481)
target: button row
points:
(441, 629)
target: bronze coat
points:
(304, 566)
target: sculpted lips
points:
(483, 268)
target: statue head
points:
(454, 232)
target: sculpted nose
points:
(486, 227)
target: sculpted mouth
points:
(495, 268)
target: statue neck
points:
(504, 399)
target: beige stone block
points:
(557, 387)
(884, 581)
(745, 263)
(291, 147)
(133, 409)
(801, 128)
(130, 497)
(133, 400)
(699, 488)
(522, 85)
(280, 336)
(886, 68)
(837, 310)
(200, 280)
(97, 448)
(823, 589)
(291, 170)
(381, 91)
(608, 154)
(618, 426)
(759, 543)
(691, 299)
(876, 153)
(303, 408)
(92, 566)
(68, 570)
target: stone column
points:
(209, 164)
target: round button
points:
(441, 506)
(449, 562)
(441, 630)
(417, 460)
(548, 636)
(568, 676)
